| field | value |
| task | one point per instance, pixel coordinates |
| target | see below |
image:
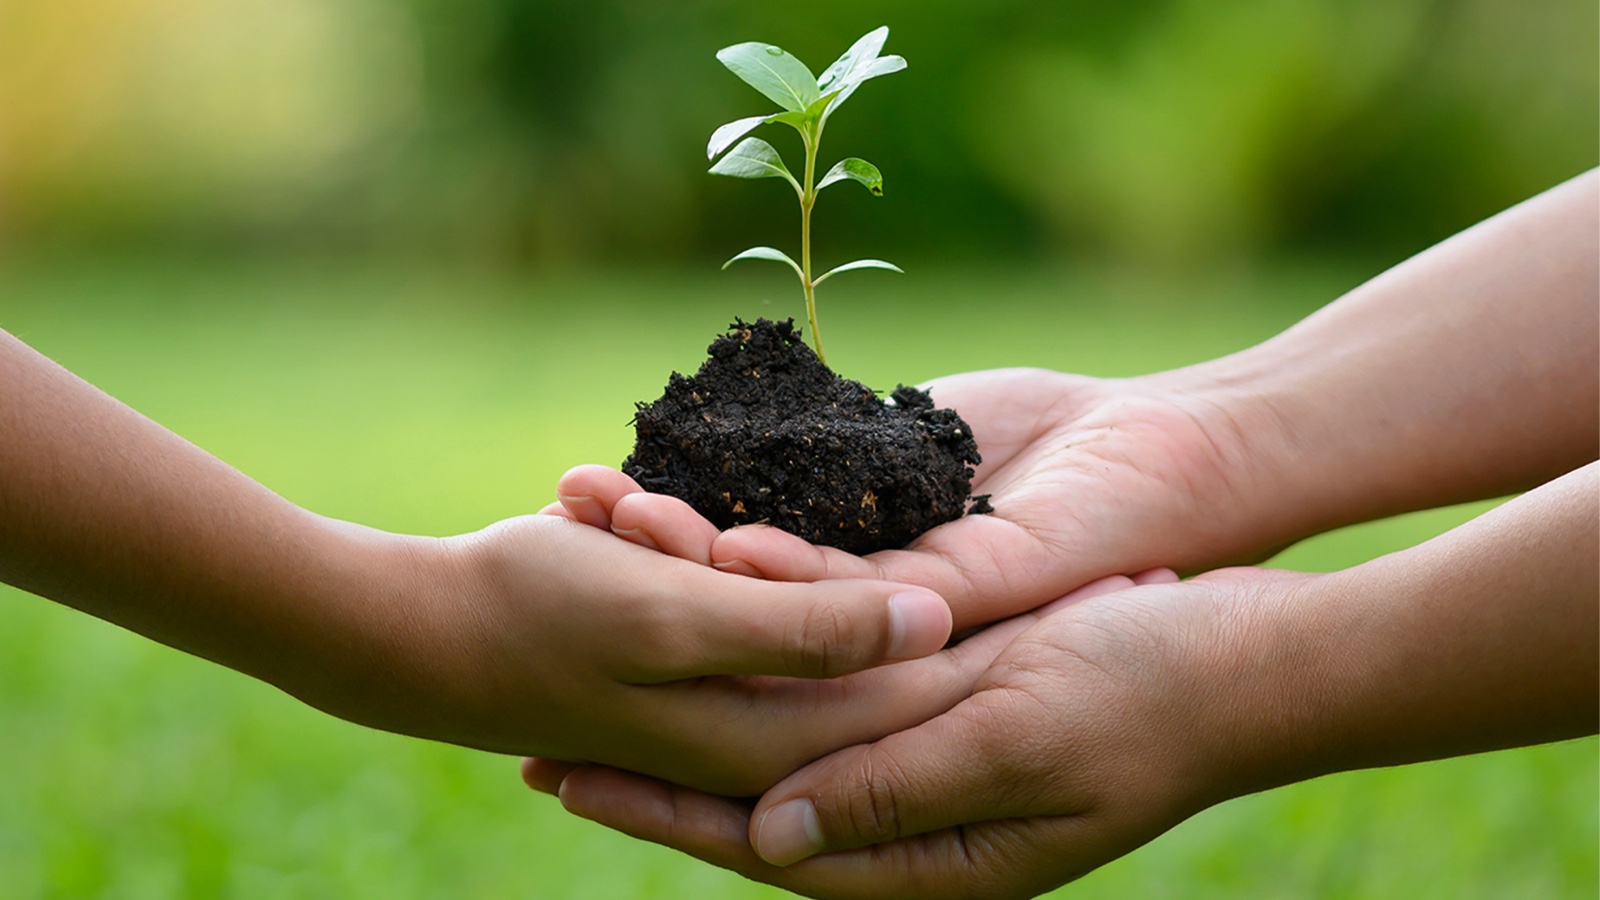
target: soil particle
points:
(765, 433)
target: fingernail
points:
(919, 624)
(637, 536)
(789, 832)
(574, 498)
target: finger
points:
(1108, 585)
(711, 828)
(664, 523)
(979, 564)
(544, 775)
(762, 551)
(555, 509)
(1003, 857)
(801, 630)
(1157, 576)
(590, 492)
(952, 770)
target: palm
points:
(1088, 478)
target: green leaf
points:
(754, 158)
(861, 53)
(725, 135)
(858, 170)
(858, 64)
(775, 73)
(771, 253)
(886, 65)
(795, 119)
(858, 264)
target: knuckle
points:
(821, 643)
(872, 811)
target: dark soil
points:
(766, 433)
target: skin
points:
(534, 635)
(1114, 718)
(1469, 371)
(1418, 389)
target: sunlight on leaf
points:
(857, 170)
(774, 72)
(860, 54)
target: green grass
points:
(436, 403)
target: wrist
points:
(365, 632)
(1255, 483)
(1259, 670)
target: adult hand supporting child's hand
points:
(1114, 717)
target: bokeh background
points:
(406, 261)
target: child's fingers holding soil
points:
(590, 492)
(664, 523)
(761, 551)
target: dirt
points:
(764, 432)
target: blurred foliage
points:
(551, 132)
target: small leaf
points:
(846, 86)
(815, 110)
(775, 73)
(723, 137)
(753, 158)
(795, 119)
(861, 53)
(771, 253)
(858, 170)
(858, 264)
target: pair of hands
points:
(1073, 732)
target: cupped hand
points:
(1088, 478)
(550, 638)
(1108, 721)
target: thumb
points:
(818, 630)
(955, 769)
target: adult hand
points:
(1094, 731)
(1418, 389)
(1113, 718)
(1089, 478)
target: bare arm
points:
(535, 635)
(1470, 371)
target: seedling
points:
(807, 103)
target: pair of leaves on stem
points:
(807, 103)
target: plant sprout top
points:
(807, 102)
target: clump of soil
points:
(764, 432)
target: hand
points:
(605, 498)
(1089, 478)
(1107, 722)
(1115, 717)
(544, 636)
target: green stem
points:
(808, 199)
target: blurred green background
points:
(405, 262)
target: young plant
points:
(807, 103)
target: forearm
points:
(1469, 371)
(1483, 638)
(106, 511)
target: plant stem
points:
(808, 199)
